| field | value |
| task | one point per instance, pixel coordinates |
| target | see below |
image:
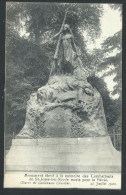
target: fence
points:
(116, 140)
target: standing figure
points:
(66, 54)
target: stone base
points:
(92, 154)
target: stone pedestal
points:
(92, 154)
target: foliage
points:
(117, 7)
(113, 44)
(42, 21)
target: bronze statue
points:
(66, 56)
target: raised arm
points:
(56, 35)
(61, 29)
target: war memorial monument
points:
(65, 128)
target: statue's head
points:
(66, 27)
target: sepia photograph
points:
(63, 95)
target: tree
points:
(111, 55)
(113, 44)
(45, 19)
(110, 63)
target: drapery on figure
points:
(66, 54)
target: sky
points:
(110, 24)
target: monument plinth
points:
(94, 154)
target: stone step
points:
(62, 141)
(55, 152)
(65, 149)
(62, 161)
(64, 168)
(74, 145)
(60, 153)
